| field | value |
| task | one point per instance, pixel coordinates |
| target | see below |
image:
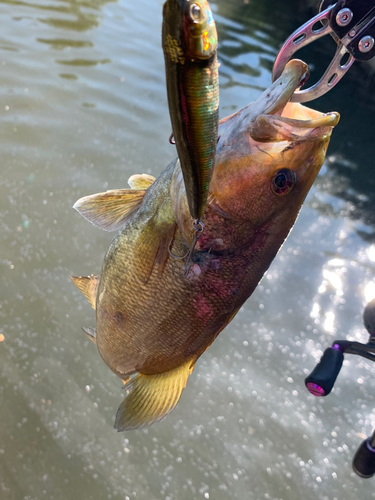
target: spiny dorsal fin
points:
(90, 332)
(110, 210)
(88, 285)
(140, 181)
(151, 397)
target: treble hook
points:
(198, 230)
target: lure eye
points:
(195, 12)
(283, 181)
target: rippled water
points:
(82, 107)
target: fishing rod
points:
(322, 379)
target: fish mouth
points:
(276, 119)
(296, 123)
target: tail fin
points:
(151, 397)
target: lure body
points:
(189, 41)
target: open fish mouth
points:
(295, 123)
(278, 119)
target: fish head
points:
(199, 30)
(269, 154)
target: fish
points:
(152, 321)
(189, 42)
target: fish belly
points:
(156, 326)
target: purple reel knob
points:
(321, 379)
(315, 389)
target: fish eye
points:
(195, 12)
(283, 181)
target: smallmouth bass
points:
(189, 41)
(152, 321)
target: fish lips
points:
(276, 119)
(274, 99)
(275, 128)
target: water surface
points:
(82, 107)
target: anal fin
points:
(151, 397)
(88, 285)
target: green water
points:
(82, 107)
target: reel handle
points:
(322, 378)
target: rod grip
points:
(322, 378)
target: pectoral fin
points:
(162, 254)
(140, 181)
(88, 285)
(153, 249)
(151, 397)
(110, 210)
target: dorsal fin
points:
(88, 285)
(151, 397)
(91, 333)
(140, 181)
(110, 210)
